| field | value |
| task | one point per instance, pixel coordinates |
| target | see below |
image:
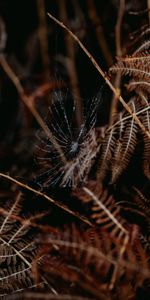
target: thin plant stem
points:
(28, 101)
(117, 81)
(54, 202)
(102, 73)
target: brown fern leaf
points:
(126, 145)
(103, 209)
(137, 69)
(146, 121)
(139, 205)
(107, 150)
(106, 213)
(137, 66)
(119, 144)
(17, 247)
(143, 56)
(89, 262)
(78, 252)
(121, 138)
(143, 47)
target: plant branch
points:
(56, 203)
(28, 101)
(102, 73)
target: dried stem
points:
(56, 203)
(29, 102)
(148, 7)
(117, 81)
(102, 73)
(71, 65)
(43, 37)
(118, 28)
(95, 19)
(3, 35)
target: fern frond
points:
(141, 56)
(89, 262)
(107, 150)
(139, 205)
(119, 144)
(143, 47)
(17, 248)
(146, 142)
(136, 69)
(126, 147)
(139, 85)
(106, 213)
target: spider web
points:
(78, 145)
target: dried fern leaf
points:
(92, 259)
(135, 69)
(146, 121)
(126, 147)
(17, 248)
(106, 213)
(107, 150)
